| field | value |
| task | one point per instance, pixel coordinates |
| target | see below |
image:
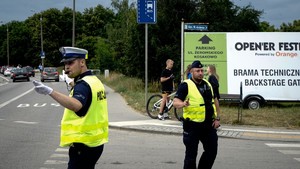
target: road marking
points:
(283, 145)
(26, 105)
(55, 162)
(61, 150)
(62, 153)
(4, 78)
(290, 151)
(25, 122)
(1, 84)
(59, 156)
(286, 152)
(1, 119)
(13, 99)
(263, 131)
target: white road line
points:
(4, 78)
(59, 156)
(13, 99)
(298, 159)
(61, 150)
(55, 162)
(1, 84)
(282, 145)
(26, 122)
(290, 151)
(263, 131)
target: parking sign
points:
(146, 11)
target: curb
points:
(173, 128)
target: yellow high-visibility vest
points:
(91, 129)
(196, 110)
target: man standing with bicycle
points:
(200, 118)
(167, 84)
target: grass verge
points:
(285, 115)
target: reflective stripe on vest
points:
(91, 129)
(196, 110)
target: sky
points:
(275, 11)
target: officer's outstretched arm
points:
(66, 101)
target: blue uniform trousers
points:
(83, 157)
(192, 135)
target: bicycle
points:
(153, 106)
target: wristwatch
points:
(217, 118)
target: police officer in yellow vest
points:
(84, 126)
(200, 118)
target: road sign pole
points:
(146, 14)
(146, 64)
(182, 49)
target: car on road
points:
(50, 73)
(30, 70)
(12, 71)
(3, 68)
(20, 74)
(7, 71)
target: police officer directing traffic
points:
(84, 126)
(200, 118)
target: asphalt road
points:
(29, 138)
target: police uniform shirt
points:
(205, 91)
(167, 85)
(83, 93)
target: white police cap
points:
(72, 53)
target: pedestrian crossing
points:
(58, 160)
(292, 149)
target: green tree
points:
(290, 27)
(114, 39)
(95, 19)
(52, 33)
(88, 43)
(104, 55)
(18, 43)
(266, 27)
(120, 33)
(3, 44)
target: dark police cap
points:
(72, 53)
(197, 64)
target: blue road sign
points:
(196, 26)
(42, 54)
(146, 11)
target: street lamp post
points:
(73, 29)
(42, 54)
(7, 34)
(42, 46)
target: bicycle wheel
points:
(178, 113)
(153, 105)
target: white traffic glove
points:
(41, 88)
(68, 80)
